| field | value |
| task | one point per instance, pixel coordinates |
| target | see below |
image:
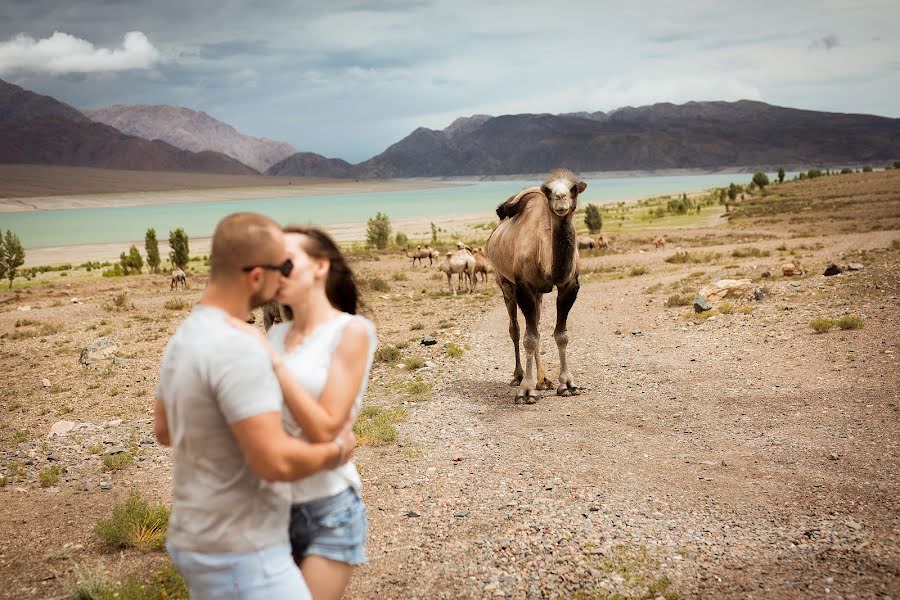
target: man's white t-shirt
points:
(213, 375)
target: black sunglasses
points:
(285, 268)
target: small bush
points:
(400, 276)
(454, 351)
(50, 475)
(414, 362)
(726, 308)
(749, 251)
(638, 271)
(746, 309)
(136, 524)
(821, 325)
(21, 435)
(417, 389)
(444, 324)
(375, 425)
(175, 304)
(378, 284)
(416, 327)
(26, 322)
(3, 481)
(687, 257)
(95, 584)
(116, 462)
(387, 354)
(850, 322)
(679, 300)
(867, 169)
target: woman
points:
(322, 355)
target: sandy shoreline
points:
(128, 199)
(344, 233)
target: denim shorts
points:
(268, 573)
(333, 527)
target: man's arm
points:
(276, 456)
(161, 424)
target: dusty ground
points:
(739, 455)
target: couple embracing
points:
(261, 427)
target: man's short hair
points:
(243, 239)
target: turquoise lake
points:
(41, 229)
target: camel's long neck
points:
(563, 239)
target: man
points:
(218, 404)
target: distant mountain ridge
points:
(699, 135)
(192, 130)
(36, 129)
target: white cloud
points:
(62, 53)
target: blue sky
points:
(350, 78)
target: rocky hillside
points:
(702, 135)
(192, 130)
(311, 164)
(36, 129)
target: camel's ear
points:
(546, 191)
(581, 186)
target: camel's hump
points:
(514, 205)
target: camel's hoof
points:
(567, 390)
(544, 384)
(526, 397)
(516, 381)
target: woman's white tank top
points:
(310, 362)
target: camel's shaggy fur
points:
(178, 276)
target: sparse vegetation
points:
(175, 304)
(822, 325)
(691, 257)
(400, 276)
(416, 327)
(747, 251)
(376, 425)
(49, 476)
(116, 462)
(454, 351)
(377, 284)
(414, 362)
(94, 584)
(850, 322)
(387, 354)
(417, 389)
(136, 523)
(679, 300)
(638, 271)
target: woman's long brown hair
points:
(340, 285)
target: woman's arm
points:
(323, 420)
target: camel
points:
(420, 253)
(603, 241)
(178, 276)
(481, 263)
(533, 249)
(462, 263)
(586, 243)
(659, 242)
(272, 313)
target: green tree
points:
(593, 218)
(12, 255)
(780, 174)
(760, 179)
(434, 232)
(179, 251)
(867, 169)
(813, 173)
(378, 231)
(897, 164)
(151, 246)
(401, 240)
(131, 262)
(732, 192)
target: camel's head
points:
(561, 189)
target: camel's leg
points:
(565, 298)
(542, 381)
(509, 297)
(450, 284)
(529, 304)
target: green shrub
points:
(679, 300)
(375, 425)
(414, 362)
(50, 475)
(454, 351)
(867, 169)
(400, 276)
(638, 271)
(118, 461)
(387, 354)
(95, 584)
(378, 284)
(821, 325)
(175, 304)
(850, 322)
(136, 524)
(417, 389)
(749, 251)
(378, 231)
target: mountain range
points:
(192, 130)
(36, 129)
(696, 135)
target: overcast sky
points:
(350, 78)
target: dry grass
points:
(136, 524)
(376, 425)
